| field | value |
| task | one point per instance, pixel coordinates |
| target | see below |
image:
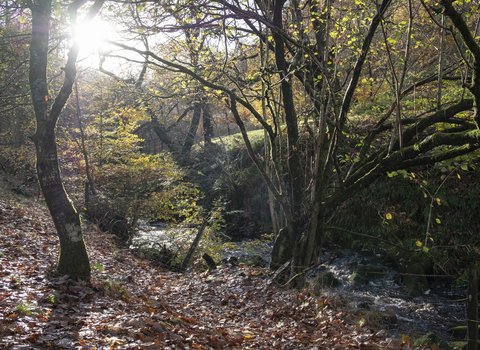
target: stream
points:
(438, 310)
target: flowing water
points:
(436, 311)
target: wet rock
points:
(357, 281)
(366, 305)
(413, 268)
(324, 280)
(386, 317)
(254, 260)
(371, 273)
(415, 280)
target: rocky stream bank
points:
(392, 290)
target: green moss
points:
(73, 261)
(282, 250)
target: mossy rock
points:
(402, 260)
(371, 273)
(254, 260)
(327, 279)
(357, 280)
(415, 280)
(413, 268)
(387, 318)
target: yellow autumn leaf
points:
(389, 216)
(418, 243)
(407, 340)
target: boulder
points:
(415, 280)
(357, 281)
(326, 279)
(413, 269)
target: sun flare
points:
(90, 36)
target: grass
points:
(231, 141)
(26, 308)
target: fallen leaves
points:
(132, 304)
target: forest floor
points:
(133, 304)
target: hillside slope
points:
(132, 304)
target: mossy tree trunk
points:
(73, 259)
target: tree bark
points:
(197, 111)
(193, 246)
(73, 259)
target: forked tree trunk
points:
(73, 259)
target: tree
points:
(16, 121)
(309, 59)
(163, 94)
(73, 259)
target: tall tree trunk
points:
(293, 216)
(207, 123)
(73, 259)
(197, 111)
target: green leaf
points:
(425, 249)
(98, 267)
(392, 174)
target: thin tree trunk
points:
(83, 148)
(194, 245)
(264, 53)
(440, 65)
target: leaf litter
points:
(133, 304)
